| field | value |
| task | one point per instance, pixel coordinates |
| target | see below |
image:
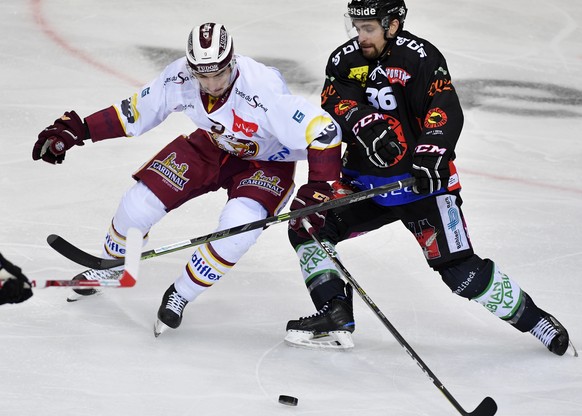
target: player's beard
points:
(370, 51)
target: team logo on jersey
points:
(266, 183)
(238, 147)
(435, 118)
(245, 127)
(360, 74)
(129, 109)
(344, 106)
(397, 75)
(172, 172)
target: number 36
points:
(382, 99)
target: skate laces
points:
(176, 303)
(322, 311)
(545, 331)
(107, 274)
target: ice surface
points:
(518, 67)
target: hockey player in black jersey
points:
(392, 95)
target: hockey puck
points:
(288, 400)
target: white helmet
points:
(210, 48)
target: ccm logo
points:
(430, 148)
(364, 121)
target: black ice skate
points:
(93, 274)
(170, 312)
(552, 334)
(335, 320)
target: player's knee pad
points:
(480, 280)
(139, 208)
(238, 211)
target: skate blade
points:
(336, 340)
(159, 328)
(74, 296)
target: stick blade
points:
(487, 407)
(72, 252)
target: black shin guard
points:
(469, 277)
(324, 287)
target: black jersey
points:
(409, 87)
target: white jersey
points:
(260, 119)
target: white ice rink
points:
(518, 69)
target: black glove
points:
(430, 167)
(312, 193)
(379, 143)
(14, 290)
(56, 139)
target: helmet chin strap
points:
(389, 40)
(233, 71)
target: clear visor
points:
(349, 26)
(217, 82)
(197, 74)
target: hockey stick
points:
(79, 256)
(77, 284)
(487, 407)
(127, 279)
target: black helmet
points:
(383, 10)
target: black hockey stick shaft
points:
(79, 256)
(487, 407)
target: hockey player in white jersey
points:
(250, 132)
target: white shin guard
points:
(211, 261)
(502, 297)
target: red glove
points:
(312, 193)
(56, 139)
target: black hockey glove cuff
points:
(430, 167)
